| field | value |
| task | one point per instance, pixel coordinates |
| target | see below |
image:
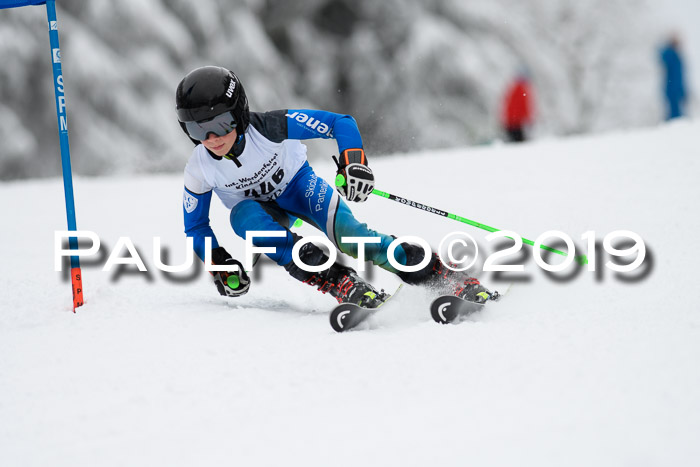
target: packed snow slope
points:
(589, 370)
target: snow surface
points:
(577, 373)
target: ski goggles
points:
(221, 125)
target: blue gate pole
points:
(76, 276)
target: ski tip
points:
(338, 319)
(448, 309)
(348, 316)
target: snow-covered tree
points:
(414, 73)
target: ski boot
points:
(443, 280)
(350, 288)
(458, 283)
(472, 290)
(341, 282)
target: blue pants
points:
(313, 200)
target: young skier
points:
(257, 166)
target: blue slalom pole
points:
(76, 276)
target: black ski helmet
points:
(209, 91)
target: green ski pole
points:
(340, 181)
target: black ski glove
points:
(232, 283)
(355, 180)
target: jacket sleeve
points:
(279, 125)
(196, 211)
(308, 124)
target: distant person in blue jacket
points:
(674, 82)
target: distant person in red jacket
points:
(517, 108)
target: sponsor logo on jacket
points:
(189, 202)
(313, 124)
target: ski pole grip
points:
(233, 281)
(340, 180)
